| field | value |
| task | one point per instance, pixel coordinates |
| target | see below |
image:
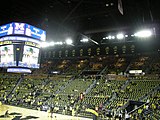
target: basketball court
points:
(17, 113)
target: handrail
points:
(137, 108)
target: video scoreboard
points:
(20, 45)
(16, 28)
(19, 53)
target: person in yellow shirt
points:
(140, 113)
(48, 111)
(73, 112)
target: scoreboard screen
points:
(14, 53)
(6, 29)
(20, 46)
(16, 28)
(7, 56)
(35, 32)
(30, 57)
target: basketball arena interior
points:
(80, 60)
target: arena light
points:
(84, 40)
(52, 43)
(69, 41)
(109, 37)
(58, 43)
(120, 36)
(113, 37)
(126, 35)
(48, 44)
(143, 33)
(44, 44)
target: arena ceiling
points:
(62, 18)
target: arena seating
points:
(154, 66)
(137, 89)
(76, 67)
(44, 89)
(8, 82)
(71, 93)
(27, 91)
(150, 110)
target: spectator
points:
(6, 114)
